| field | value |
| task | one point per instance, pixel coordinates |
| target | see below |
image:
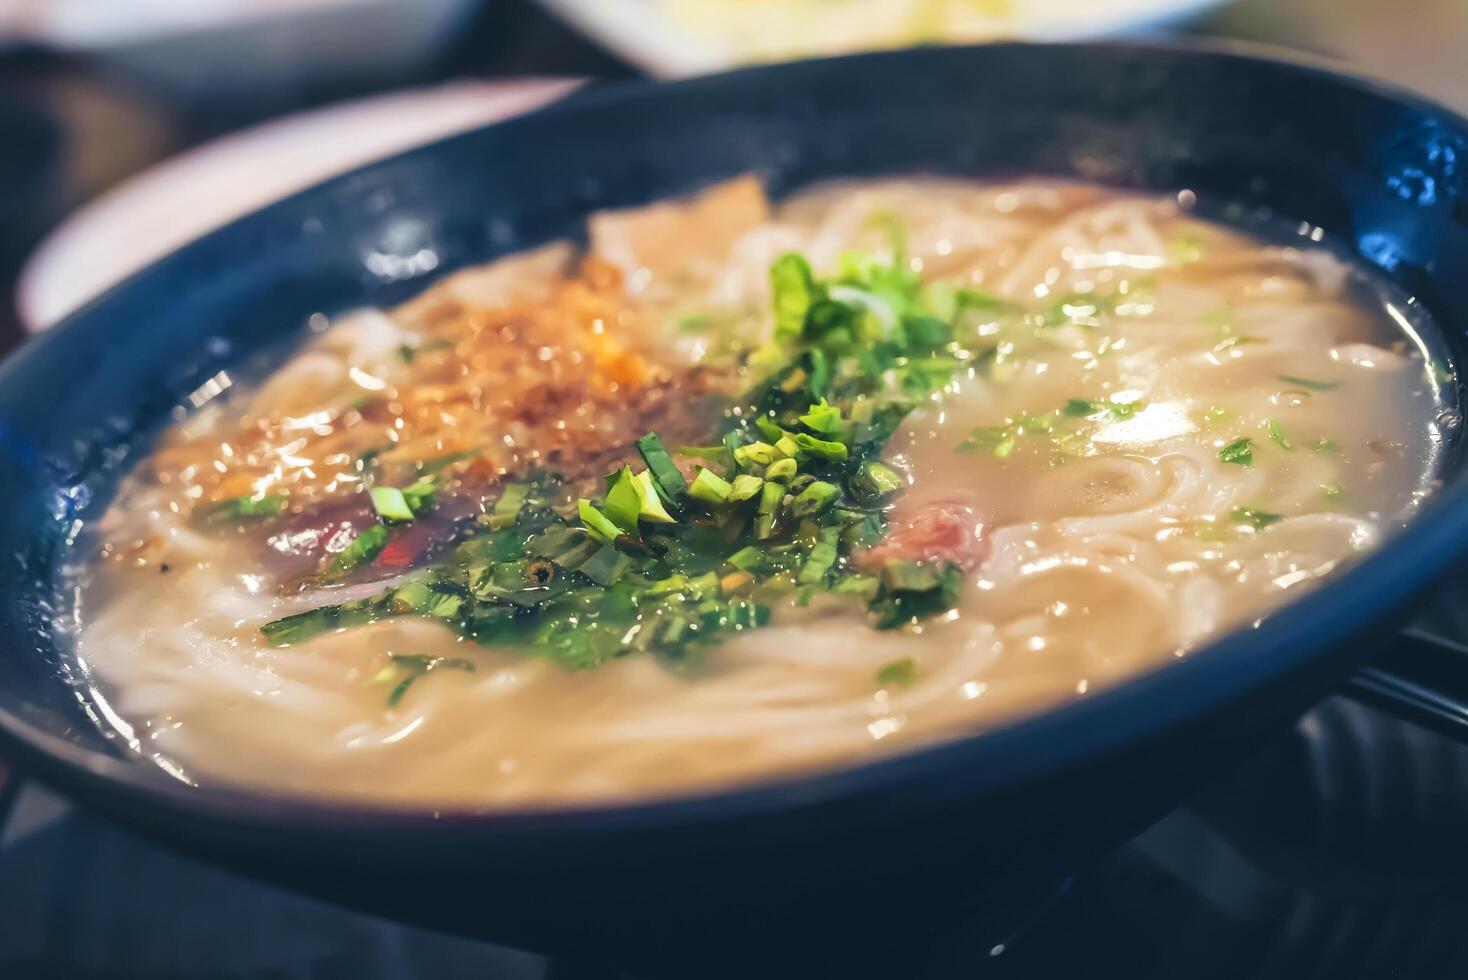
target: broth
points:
(1094, 431)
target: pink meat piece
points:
(944, 531)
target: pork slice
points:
(673, 238)
(941, 531)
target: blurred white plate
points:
(155, 212)
(644, 32)
(195, 48)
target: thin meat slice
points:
(943, 531)
(675, 238)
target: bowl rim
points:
(1301, 633)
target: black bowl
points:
(868, 866)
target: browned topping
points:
(543, 382)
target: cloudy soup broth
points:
(742, 490)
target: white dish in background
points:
(163, 208)
(193, 49)
(646, 33)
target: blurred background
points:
(129, 127)
(132, 126)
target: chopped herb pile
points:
(667, 563)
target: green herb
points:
(623, 502)
(597, 524)
(1326, 446)
(814, 499)
(1277, 436)
(995, 440)
(802, 487)
(823, 556)
(873, 481)
(710, 488)
(1310, 383)
(246, 508)
(771, 498)
(755, 454)
(650, 505)
(794, 289)
(899, 673)
(418, 666)
(1256, 519)
(821, 448)
(1081, 407)
(909, 591)
(362, 549)
(665, 475)
(1240, 452)
(509, 505)
(390, 504)
(782, 470)
(823, 419)
(745, 487)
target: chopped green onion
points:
(419, 665)
(623, 502)
(788, 447)
(665, 474)
(756, 453)
(419, 496)
(1277, 436)
(875, 480)
(992, 439)
(910, 576)
(362, 549)
(821, 448)
(823, 418)
(605, 567)
(822, 557)
(1256, 519)
(597, 524)
(899, 673)
(745, 487)
(746, 559)
(390, 504)
(1310, 383)
(1326, 446)
(1240, 452)
(651, 506)
(814, 499)
(710, 488)
(1081, 407)
(507, 509)
(768, 428)
(782, 471)
(246, 508)
(794, 288)
(771, 496)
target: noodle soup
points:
(742, 491)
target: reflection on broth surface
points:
(745, 491)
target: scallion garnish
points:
(507, 508)
(1256, 519)
(1310, 383)
(1277, 435)
(899, 673)
(665, 475)
(390, 504)
(1240, 452)
(362, 549)
(245, 508)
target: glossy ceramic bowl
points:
(876, 868)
